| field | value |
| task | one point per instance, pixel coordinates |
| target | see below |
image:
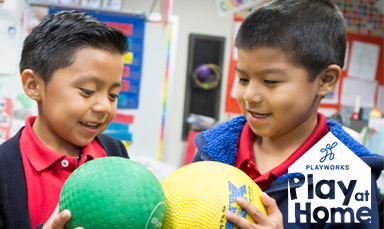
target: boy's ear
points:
(32, 84)
(328, 79)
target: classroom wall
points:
(197, 16)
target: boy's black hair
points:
(52, 44)
(311, 32)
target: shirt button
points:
(64, 163)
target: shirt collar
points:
(245, 150)
(39, 155)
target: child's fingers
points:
(240, 221)
(256, 214)
(274, 218)
(273, 210)
(60, 220)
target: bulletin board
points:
(365, 28)
(349, 80)
(133, 26)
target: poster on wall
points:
(119, 128)
(15, 106)
(364, 60)
(133, 26)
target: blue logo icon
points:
(328, 153)
(236, 192)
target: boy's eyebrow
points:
(96, 80)
(278, 71)
(120, 84)
(239, 70)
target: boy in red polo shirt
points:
(290, 55)
(72, 67)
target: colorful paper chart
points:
(119, 127)
(362, 17)
(133, 27)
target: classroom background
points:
(179, 76)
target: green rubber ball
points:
(113, 192)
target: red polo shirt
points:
(46, 171)
(244, 160)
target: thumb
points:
(60, 220)
(272, 208)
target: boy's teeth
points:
(90, 124)
(257, 115)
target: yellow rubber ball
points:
(198, 195)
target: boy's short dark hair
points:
(311, 32)
(52, 44)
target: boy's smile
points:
(80, 100)
(274, 95)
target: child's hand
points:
(58, 219)
(273, 220)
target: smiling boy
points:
(72, 67)
(290, 55)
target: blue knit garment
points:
(223, 140)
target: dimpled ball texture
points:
(198, 195)
(113, 192)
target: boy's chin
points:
(83, 142)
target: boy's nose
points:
(253, 94)
(102, 105)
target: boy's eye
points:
(243, 80)
(270, 82)
(87, 92)
(113, 96)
